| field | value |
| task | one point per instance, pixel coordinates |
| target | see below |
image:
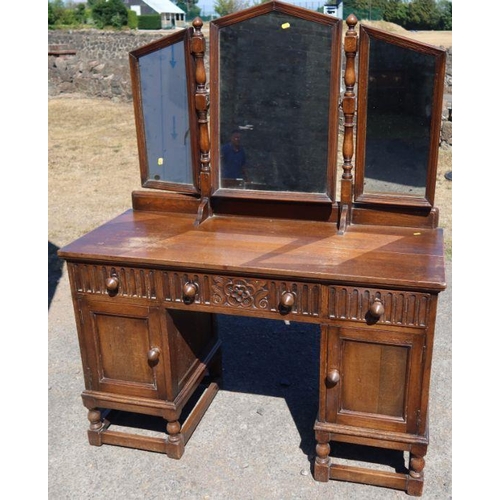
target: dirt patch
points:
(94, 167)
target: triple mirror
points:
(275, 77)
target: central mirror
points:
(275, 102)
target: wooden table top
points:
(383, 256)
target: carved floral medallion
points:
(240, 292)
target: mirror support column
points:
(349, 109)
(201, 103)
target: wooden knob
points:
(153, 355)
(112, 284)
(189, 290)
(333, 378)
(377, 308)
(287, 300)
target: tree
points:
(422, 14)
(58, 14)
(109, 13)
(444, 9)
(189, 7)
(396, 11)
(80, 13)
(224, 7)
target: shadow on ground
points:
(55, 267)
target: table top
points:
(383, 256)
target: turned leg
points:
(417, 464)
(322, 461)
(96, 425)
(175, 440)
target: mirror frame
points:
(401, 199)
(333, 122)
(134, 59)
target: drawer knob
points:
(112, 284)
(189, 290)
(153, 355)
(287, 300)
(377, 308)
(333, 378)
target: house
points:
(171, 15)
(334, 8)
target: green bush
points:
(110, 13)
(132, 20)
(149, 22)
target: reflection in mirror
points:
(398, 127)
(165, 114)
(275, 77)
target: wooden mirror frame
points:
(243, 197)
(134, 60)
(397, 199)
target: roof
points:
(164, 6)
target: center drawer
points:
(244, 295)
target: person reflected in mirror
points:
(233, 158)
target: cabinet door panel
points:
(118, 340)
(122, 343)
(375, 377)
(380, 378)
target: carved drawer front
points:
(114, 280)
(370, 305)
(243, 294)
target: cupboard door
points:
(124, 348)
(373, 378)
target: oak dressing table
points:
(274, 242)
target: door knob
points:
(189, 290)
(287, 300)
(333, 378)
(377, 308)
(153, 356)
(112, 284)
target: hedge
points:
(149, 22)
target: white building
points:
(334, 8)
(171, 15)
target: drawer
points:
(243, 294)
(372, 305)
(113, 281)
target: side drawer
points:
(121, 281)
(373, 305)
(243, 294)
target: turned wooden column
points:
(96, 426)
(349, 109)
(198, 46)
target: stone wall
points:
(93, 62)
(446, 126)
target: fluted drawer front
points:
(387, 307)
(119, 281)
(243, 293)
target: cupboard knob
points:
(153, 355)
(112, 284)
(377, 308)
(287, 300)
(189, 290)
(333, 378)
